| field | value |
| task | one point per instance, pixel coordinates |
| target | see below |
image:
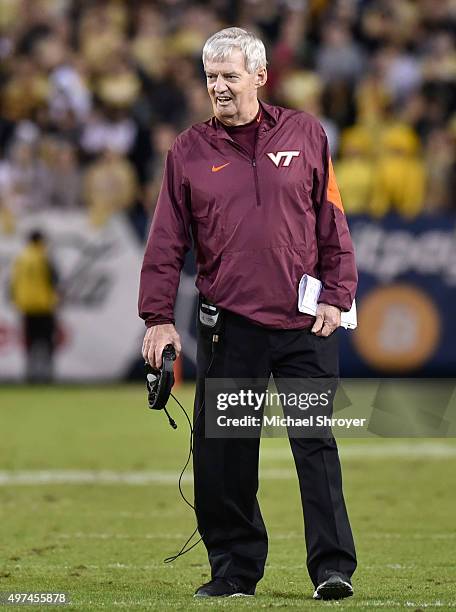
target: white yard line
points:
(50, 567)
(106, 477)
(403, 450)
(298, 603)
(79, 535)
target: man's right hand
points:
(155, 340)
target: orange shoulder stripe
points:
(332, 192)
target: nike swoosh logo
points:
(217, 168)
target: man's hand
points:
(327, 320)
(155, 340)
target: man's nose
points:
(220, 84)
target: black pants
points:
(226, 470)
(39, 332)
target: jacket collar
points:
(269, 119)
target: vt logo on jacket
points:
(287, 156)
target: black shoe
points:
(337, 586)
(222, 587)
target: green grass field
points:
(89, 505)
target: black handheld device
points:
(160, 381)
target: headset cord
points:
(185, 550)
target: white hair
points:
(221, 44)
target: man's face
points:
(233, 90)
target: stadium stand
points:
(92, 94)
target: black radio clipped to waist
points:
(210, 318)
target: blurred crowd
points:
(93, 93)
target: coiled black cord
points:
(183, 549)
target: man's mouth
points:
(223, 100)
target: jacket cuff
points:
(152, 322)
(334, 298)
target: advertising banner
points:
(99, 333)
(406, 298)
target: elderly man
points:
(254, 189)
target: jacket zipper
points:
(255, 175)
(254, 166)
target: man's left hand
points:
(327, 320)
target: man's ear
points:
(261, 77)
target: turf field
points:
(89, 505)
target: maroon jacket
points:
(257, 225)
